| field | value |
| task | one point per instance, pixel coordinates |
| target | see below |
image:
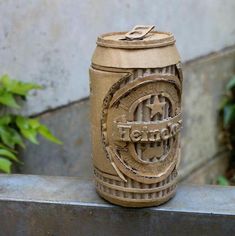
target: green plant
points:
(14, 128)
(227, 110)
(222, 180)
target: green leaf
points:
(5, 165)
(10, 155)
(22, 122)
(27, 123)
(7, 148)
(231, 83)
(7, 99)
(5, 120)
(229, 114)
(34, 123)
(28, 128)
(223, 181)
(10, 137)
(16, 137)
(30, 134)
(6, 137)
(223, 102)
(45, 132)
(18, 87)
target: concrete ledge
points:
(41, 205)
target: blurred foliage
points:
(222, 180)
(227, 111)
(15, 128)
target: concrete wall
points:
(51, 41)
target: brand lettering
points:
(147, 132)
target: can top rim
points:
(152, 40)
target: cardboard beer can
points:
(136, 85)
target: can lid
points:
(139, 37)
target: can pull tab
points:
(138, 32)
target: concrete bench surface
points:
(43, 205)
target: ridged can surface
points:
(136, 86)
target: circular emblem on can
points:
(140, 124)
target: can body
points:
(135, 121)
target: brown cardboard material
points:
(136, 85)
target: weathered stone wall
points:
(204, 84)
(51, 41)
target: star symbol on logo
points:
(156, 107)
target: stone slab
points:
(41, 205)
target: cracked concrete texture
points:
(204, 82)
(51, 41)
